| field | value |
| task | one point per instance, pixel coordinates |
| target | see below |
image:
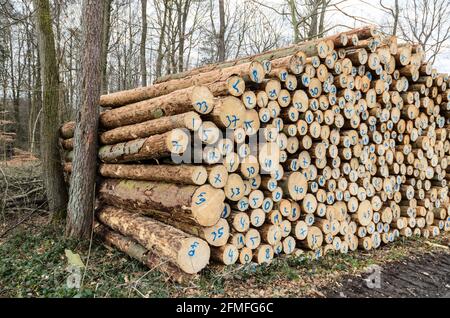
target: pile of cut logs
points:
(325, 146)
(7, 137)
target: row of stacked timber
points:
(7, 136)
(331, 145)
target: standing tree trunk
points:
(80, 212)
(105, 43)
(51, 161)
(294, 22)
(322, 18)
(143, 42)
(396, 14)
(221, 50)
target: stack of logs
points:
(325, 146)
(7, 137)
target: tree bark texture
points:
(50, 156)
(80, 214)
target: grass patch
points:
(33, 264)
(36, 266)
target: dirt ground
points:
(419, 275)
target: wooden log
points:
(309, 48)
(181, 174)
(189, 253)
(203, 205)
(217, 176)
(314, 238)
(216, 235)
(271, 234)
(66, 144)
(153, 147)
(228, 112)
(150, 258)
(252, 239)
(240, 221)
(234, 187)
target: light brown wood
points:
(191, 254)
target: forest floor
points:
(33, 263)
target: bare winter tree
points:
(105, 43)
(80, 212)
(427, 22)
(306, 17)
(221, 36)
(51, 162)
(143, 57)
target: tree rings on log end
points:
(269, 156)
(228, 254)
(193, 255)
(234, 188)
(271, 234)
(252, 239)
(236, 85)
(314, 238)
(315, 88)
(199, 174)
(202, 99)
(296, 64)
(218, 234)
(251, 122)
(256, 72)
(207, 205)
(192, 121)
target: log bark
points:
(153, 147)
(180, 174)
(203, 205)
(189, 253)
